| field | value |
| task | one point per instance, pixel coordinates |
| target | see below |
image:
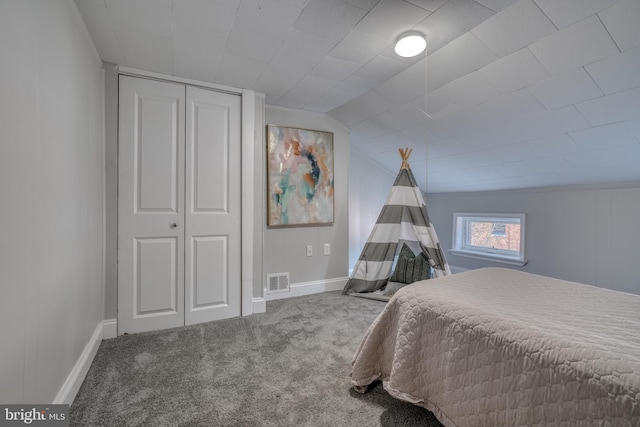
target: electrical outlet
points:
(309, 250)
(327, 249)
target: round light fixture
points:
(410, 44)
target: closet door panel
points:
(205, 272)
(213, 282)
(151, 148)
(156, 144)
(210, 158)
(156, 281)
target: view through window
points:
(490, 235)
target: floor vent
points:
(278, 282)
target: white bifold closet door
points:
(178, 205)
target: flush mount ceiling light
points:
(410, 44)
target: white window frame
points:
(460, 247)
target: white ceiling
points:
(526, 93)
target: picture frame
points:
(300, 178)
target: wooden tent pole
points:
(405, 153)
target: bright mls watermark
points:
(34, 415)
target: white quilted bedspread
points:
(499, 347)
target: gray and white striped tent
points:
(403, 218)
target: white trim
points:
(70, 388)
(109, 328)
(259, 305)
(103, 108)
(247, 211)
(308, 288)
(104, 330)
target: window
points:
(496, 237)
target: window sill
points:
(490, 257)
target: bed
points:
(500, 347)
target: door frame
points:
(249, 130)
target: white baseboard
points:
(259, 305)
(308, 288)
(104, 330)
(68, 391)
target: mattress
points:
(500, 347)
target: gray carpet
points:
(287, 367)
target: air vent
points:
(278, 282)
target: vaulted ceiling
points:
(511, 93)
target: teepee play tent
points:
(403, 220)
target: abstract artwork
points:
(299, 176)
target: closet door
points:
(212, 241)
(151, 182)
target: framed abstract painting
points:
(299, 177)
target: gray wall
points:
(284, 248)
(111, 192)
(588, 235)
(369, 186)
(51, 188)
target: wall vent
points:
(278, 282)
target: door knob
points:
(173, 225)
